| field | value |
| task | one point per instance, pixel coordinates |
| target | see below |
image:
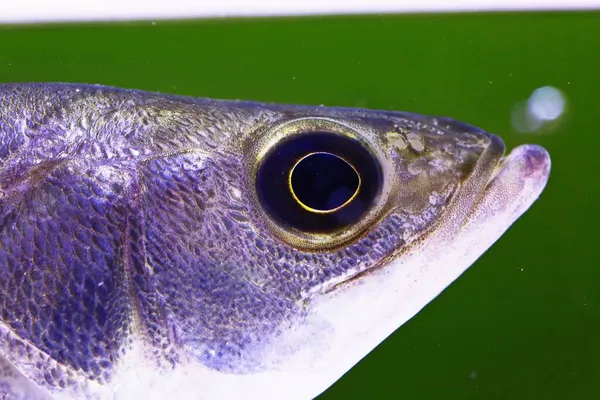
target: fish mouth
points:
(531, 161)
(502, 184)
(499, 190)
(518, 179)
(515, 183)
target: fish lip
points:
(532, 161)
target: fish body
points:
(156, 246)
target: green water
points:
(524, 321)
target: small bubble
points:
(546, 103)
(544, 106)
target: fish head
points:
(433, 195)
(160, 246)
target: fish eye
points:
(318, 182)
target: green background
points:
(524, 321)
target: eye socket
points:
(318, 182)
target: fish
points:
(159, 246)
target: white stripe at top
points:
(31, 11)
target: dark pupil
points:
(323, 181)
(334, 181)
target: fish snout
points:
(535, 160)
